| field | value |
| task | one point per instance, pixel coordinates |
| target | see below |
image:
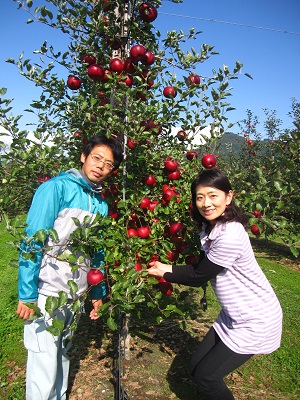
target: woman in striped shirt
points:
(250, 321)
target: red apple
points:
(149, 180)
(137, 52)
(94, 276)
(127, 79)
(169, 92)
(153, 204)
(255, 230)
(173, 176)
(73, 82)
(88, 59)
(176, 227)
(96, 72)
(171, 165)
(113, 213)
(165, 287)
(138, 267)
(208, 161)
(130, 65)
(131, 143)
(194, 79)
(108, 5)
(131, 232)
(148, 58)
(191, 154)
(257, 213)
(116, 65)
(107, 75)
(147, 12)
(182, 247)
(167, 195)
(181, 135)
(172, 255)
(43, 178)
(191, 259)
(143, 232)
(145, 203)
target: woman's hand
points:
(157, 269)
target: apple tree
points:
(266, 176)
(120, 76)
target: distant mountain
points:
(230, 142)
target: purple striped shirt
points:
(250, 321)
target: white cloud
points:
(198, 136)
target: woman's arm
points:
(190, 275)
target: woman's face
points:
(212, 202)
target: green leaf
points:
(62, 298)
(51, 304)
(76, 305)
(53, 234)
(278, 186)
(294, 251)
(73, 287)
(58, 323)
(41, 235)
(112, 324)
(53, 330)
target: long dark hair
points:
(111, 142)
(215, 178)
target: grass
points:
(274, 376)
(13, 355)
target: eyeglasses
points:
(99, 159)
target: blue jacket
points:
(53, 206)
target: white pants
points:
(47, 361)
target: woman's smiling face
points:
(212, 202)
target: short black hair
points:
(111, 142)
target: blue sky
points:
(269, 55)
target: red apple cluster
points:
(125, 68)
(171, 166)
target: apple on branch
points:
(96, 72)
(143, 232)
(116, 65)
(147, 12)
(171, 165)
(137, 52)
(88, 59)
(194, 79)
(169, 92)
(73, 82)
(208, 161)
(255, 230)
(94, 276)
(149, 180)
(191, 154)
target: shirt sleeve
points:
(193, 275)
(228, 245)
(42, 214)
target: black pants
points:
(211, 362)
